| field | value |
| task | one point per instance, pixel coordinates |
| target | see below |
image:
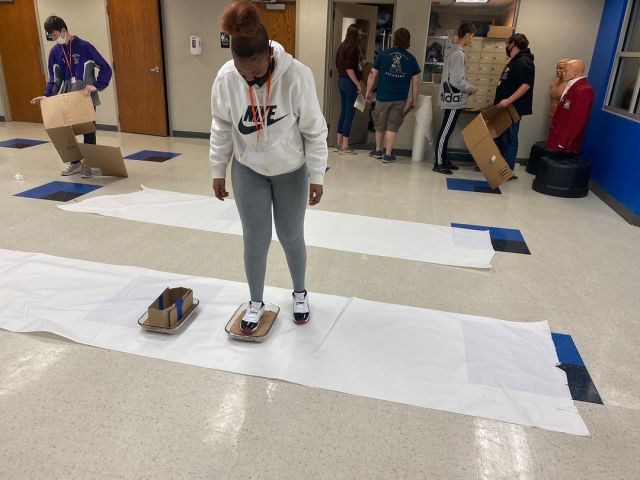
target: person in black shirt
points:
(515, 88)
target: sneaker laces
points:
(253, 312)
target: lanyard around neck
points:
(259, 116)
(68, 59)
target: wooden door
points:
(366, 18)
(21, 59)
(136, 43)
(281, 25)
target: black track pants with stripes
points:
(448, 124)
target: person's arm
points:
(51, 84)
(458, 74)
(522, 89)
(415, 90)
(221, 140)
(104, 70)
(352, 75)
(313, 129)
(372, 82)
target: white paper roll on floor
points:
(423, 133)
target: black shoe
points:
(388, 158)
(441, 169)
(451, 166)
(376, 154)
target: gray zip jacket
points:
(454, 74)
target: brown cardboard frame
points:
(103, 160)
(478, 136)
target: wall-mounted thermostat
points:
(195, 45)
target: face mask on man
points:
(508, 50)
(62, 39)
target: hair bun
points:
(241, 18)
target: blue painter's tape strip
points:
(567, 350)
(179, 305)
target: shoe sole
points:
(248, 332)
(302, 322)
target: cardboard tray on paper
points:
(267, 322)
(478, 136)
(170, 308)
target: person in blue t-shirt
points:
(72, 64)
(394, 71)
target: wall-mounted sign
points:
(225, 40)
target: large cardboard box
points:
(70, 114)
(478, 136)
(499, 32)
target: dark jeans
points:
(508, 144)
(348, 95)
(90, 138)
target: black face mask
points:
(261, 80)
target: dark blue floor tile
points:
(466, 185)
(21, 143)
(567, 350)
(59, 191)
(152, 156)
(507, 240)
(580, 384)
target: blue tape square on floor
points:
(59, 191)
(21, 143)
(466, 185)
(566, 349)
(152, 156)
(507, 240)
(580, 383)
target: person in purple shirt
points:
(72, 64)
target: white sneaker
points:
(87, 173)
(301, 313)
(71, 169)
(251, 320)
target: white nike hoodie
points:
(295, 132)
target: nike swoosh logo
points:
(248, 130)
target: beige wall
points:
(189, 77)
(88, 20)
(555, 30)
(311, 39)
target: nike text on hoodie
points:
(287, 130)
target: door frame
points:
(330, 59)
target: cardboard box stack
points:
(70, 114)
(486, 59)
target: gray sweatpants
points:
(254, 195)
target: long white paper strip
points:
(338, 231)
(453, 362)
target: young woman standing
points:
(267, 122)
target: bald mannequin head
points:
(560, 65)
(574, 69)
